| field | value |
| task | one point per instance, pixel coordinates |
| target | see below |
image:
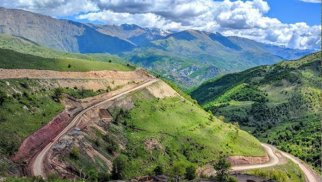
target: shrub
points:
(58, 92)
(92, 175)
(190, 173)
(3, 97)
(179, 169)
(158, 170)
(74, 153)
(24, 85)
(222, 169)
(112, 145)
(118, 167)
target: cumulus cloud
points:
(238, 18)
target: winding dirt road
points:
(275, 160)
(37, 166)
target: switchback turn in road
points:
(274, 160)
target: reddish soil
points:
(38, 140)
(242, 160)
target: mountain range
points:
(187, 57)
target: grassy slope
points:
(280, 104)
(14, 60)
(19, 53)
(186, 134)
(28, 47)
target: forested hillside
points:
(280, 104)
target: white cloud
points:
(56, 8)
(145, 19)
(240, 18)
(311, 1)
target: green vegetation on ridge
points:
(280, 104)
(14, 60)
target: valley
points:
(218, 91)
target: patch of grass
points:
(80, 93)
(288, 172)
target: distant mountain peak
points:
(130, 26)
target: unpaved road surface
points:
(37, 166)
(275, 160)
(309, 173)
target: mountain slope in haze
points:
(283, 52)
(191, 57)
(133, 33)
(59, 34)
(280, 104)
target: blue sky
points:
(292, 11)
(289, 23)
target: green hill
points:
(280, 104)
